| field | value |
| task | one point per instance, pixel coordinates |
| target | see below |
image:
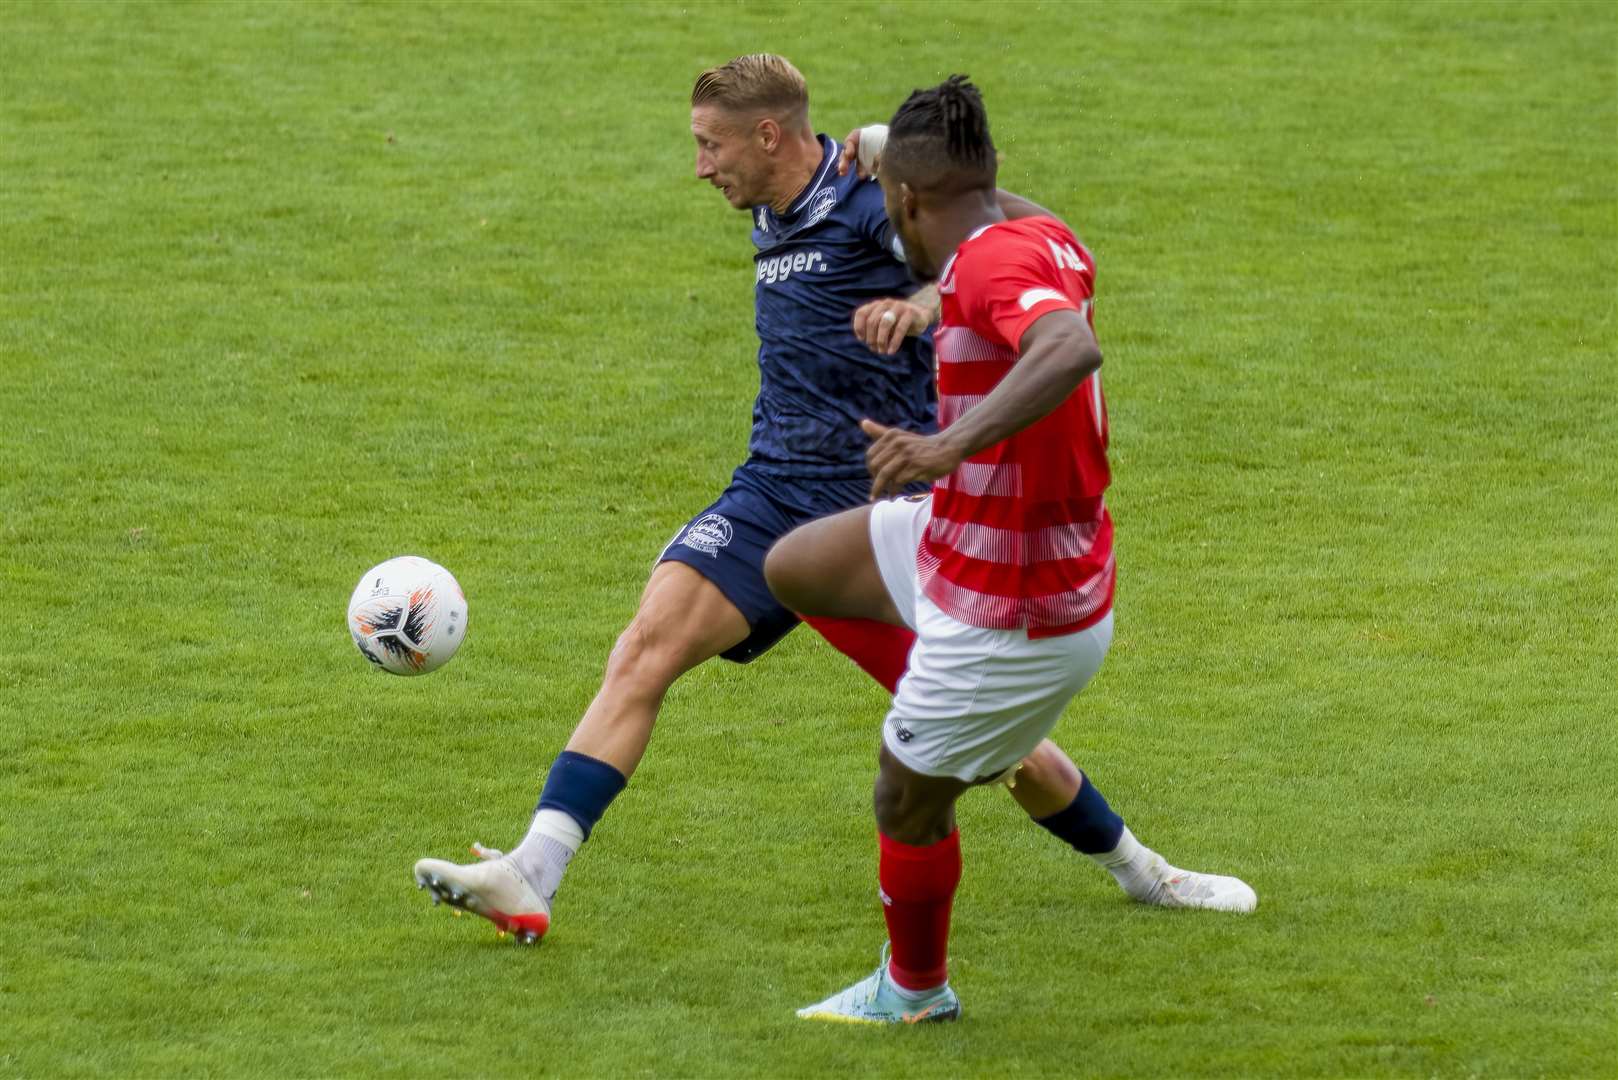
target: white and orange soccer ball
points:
(408, 615)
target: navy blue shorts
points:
(726, 543)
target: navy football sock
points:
(578, 790)
(582, 787)
(1087, 822)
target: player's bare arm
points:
(1056, 354)
(884, 324)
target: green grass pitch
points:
(287, 289)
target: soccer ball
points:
(408, 615)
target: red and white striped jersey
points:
(1020, 535)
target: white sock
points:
(1133, 865)
(552, 841)
(914, 995)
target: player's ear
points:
(907, 201)
(768, 134)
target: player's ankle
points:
(908, 993)
(1128, 850)
(1133, 865)
(578, 790)
(543, 856)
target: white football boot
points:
(875, 1000)
(492, 887)
(1178, 888)
(1149, 879)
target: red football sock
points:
(882, 650)
(918, 887)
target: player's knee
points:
(783, 571)
(908, 816)
(649, 654)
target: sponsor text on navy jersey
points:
(830, 252)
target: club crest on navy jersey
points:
(821, 205)
(831, 250)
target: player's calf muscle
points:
(1046, 781)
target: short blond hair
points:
(758, 82)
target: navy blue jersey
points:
(830, 252)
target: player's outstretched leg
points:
(683, 620)
(1063, 800)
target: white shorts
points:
(973, 702)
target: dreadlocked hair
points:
(942, 136)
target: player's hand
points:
(897, 458)
(851, 156)
(862, 150)
(884, 324)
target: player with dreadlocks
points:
(1005, 571)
